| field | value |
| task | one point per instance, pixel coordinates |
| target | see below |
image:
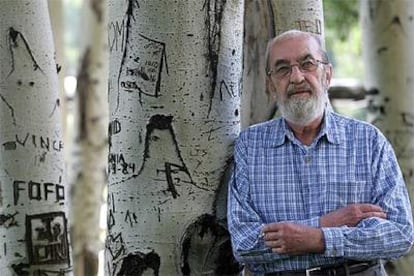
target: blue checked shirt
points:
(276, 178)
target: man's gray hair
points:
(293, 34)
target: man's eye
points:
(307, 64)
(282, 69)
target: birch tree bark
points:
(258, 28)
(301, 15)
(388, 36)
(91, 146)
(33, 198)
(174, 95)
(56, 21)
(264, 20)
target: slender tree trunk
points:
(258, 28)
(33, 198)
(264, 20)
(175, 84)
(388, 36)
(92, 142)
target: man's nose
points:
(296, 75)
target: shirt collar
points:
(331, 129)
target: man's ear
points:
(328, 74)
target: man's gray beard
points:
(302, 111)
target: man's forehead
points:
(294, 48)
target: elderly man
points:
(314, 192)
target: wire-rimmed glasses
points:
(284, 69)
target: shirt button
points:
(307, 159)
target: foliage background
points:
(343, 37)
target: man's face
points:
(301, 94)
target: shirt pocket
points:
(337, 194)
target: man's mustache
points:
(292, 89)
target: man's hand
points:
(351, 215)
(297, 239)
(293, 239)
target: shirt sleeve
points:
(245, 225)
(376, 238)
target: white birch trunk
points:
(33, 198)
(264, 20)
(175, 84)
(56, 20)
(92, 139)
(301, 15)
(388, 36)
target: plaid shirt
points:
(276, 178)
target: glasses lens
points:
(308, 65)
(282, 70)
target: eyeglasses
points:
(284, 69)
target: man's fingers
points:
(274, 243)
(375, 214)
(279, 250)
(273, 235)
(277, 246)
(370, 208)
